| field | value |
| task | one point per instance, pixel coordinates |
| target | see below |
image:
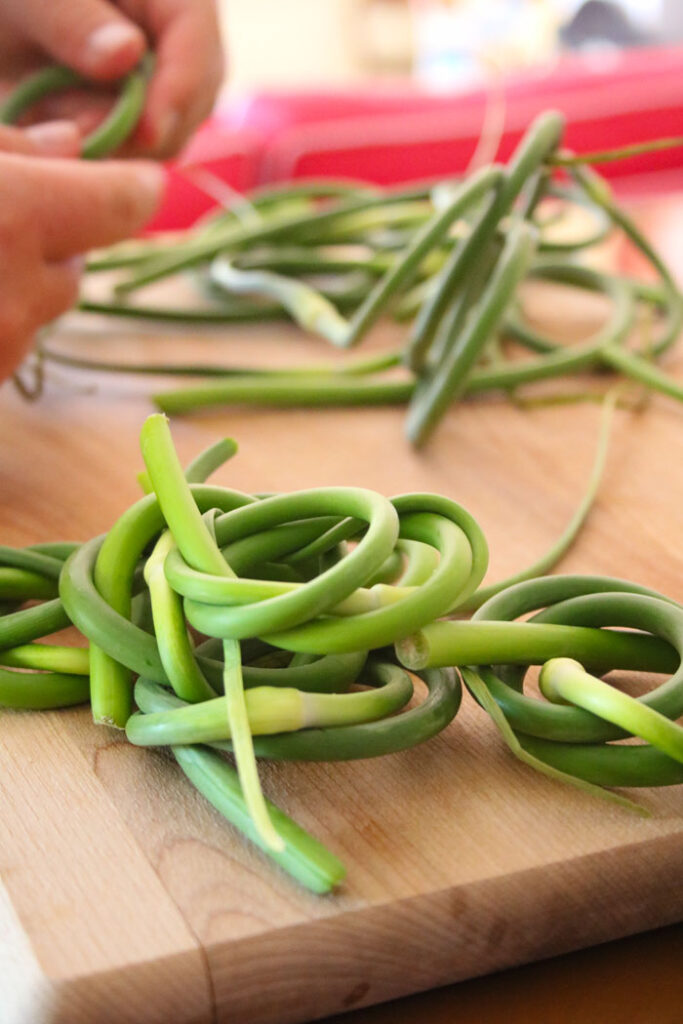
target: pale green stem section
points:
(199, 549)
(422, 561)
(481, 693)
(243, 590)
(201, 468)
(307, 306)
(247, 770)
(175, 648)
(270, 710)
(564, 680)
(144, 481)
(50, 657)
(450, 643)
(175, 499)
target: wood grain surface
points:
(125, 898)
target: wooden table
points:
(125, 898)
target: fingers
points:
(80, 206)
(91, 36)
(52, 138)
(14, 140)
(52, 211)
(54, 290)
(86, 110)
(188, 74)
(103, 41)
(59, 288)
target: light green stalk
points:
(303, 856)
(481, 692)
(448, 642)
(564, 680)
(175, 648)
(307, 306)
(199, 549)
(48, 657)
(300, 854)
(270, 710)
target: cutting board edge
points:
(421, 958)
(31, 996)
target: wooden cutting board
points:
(125, 898)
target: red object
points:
(230, 154)
(403, 133)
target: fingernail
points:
(75, 264)
(110, 40)
(55, 138)
(152, 178)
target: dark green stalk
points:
(604, 156)
(115, 128)
(449, 379)
(405, 268)
(199, 548)
(273, 229)
(302, 856)
(286, 392)
(24, 585)
(31, 623)
(449, 281)
(41, 691)
(596, 188)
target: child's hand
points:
(51, 213)
(103, 41)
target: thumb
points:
(90, 36)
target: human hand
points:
(53, 211)
(103, 41)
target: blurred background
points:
(440, 43)
(393, 91)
